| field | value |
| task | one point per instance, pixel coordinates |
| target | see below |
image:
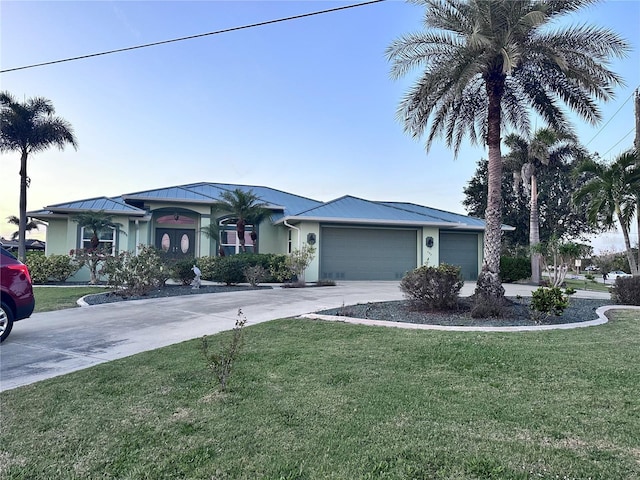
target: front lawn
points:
(58, 298)
(316, 400)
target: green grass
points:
(316, 400)
(587, 285)
(57, 298)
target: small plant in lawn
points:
(547, 301)
(221, 363)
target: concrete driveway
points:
(55, 343)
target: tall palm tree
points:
(485, 63)
(27, 128)
(31, 225)
(611, 194)
(245, 207)
(547, 148)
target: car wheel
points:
(6, 321)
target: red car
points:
(17, 292)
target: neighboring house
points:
(355, 239)
(30, 245)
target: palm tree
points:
(547, 148)
(245, 208)
(611, 194)
(27, 128)
(485, 64)
(96, 222)
(31, 225)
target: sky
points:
(306, 106)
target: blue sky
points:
(305, 106)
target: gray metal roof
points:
(285, 206)
(349, 209)
(108, 205)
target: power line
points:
(612, 117)
(191, 37)
(630, 132)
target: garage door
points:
(366, 253)
(460, 249)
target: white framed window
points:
(106, 236)
(229, 240)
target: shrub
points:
(433, 287)
(136, 275)
(228, 270)
(38, 268)
(548, 301)
(61, 267)
(222, 363)
(56, 268)
(207, 267)
(255, 274)
(182, 271)
(513, 269)
(626, 291)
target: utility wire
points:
(630, 132)
(191, 37)
(609, 121)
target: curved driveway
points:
(55, 343)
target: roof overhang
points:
(382, 222)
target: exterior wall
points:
(430, 255)
(312, 273)
(272, 238)
(59, 240)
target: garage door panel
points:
(366, 253)
(460, 249)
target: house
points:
(355, 239)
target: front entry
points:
(176, 242)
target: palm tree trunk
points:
(488, 288)
(627, 241)
(22, 253)
(534, 231)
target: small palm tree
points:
(547, 148)
(31, 225)
(96, 222)
(245, 208)
(27, 128)
(485, 65)
(611, 195)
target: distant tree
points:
(557, 213)
(486, 65)
(611, 193)
(526, 158)
(27, 128)
(245, 208)
(31, 225)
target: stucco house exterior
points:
(355, 239)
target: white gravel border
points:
(602, 319)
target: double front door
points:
(176, 242)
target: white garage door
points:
(366, 253)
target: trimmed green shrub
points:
(61, 267)
(229, 270)
(433, 287)
(626, 291)
(57, 268)
(513, 269)
(182, 271)
(136, 275)
(548, 301)
(207, 266)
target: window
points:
(107, 239)
(229, 238)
